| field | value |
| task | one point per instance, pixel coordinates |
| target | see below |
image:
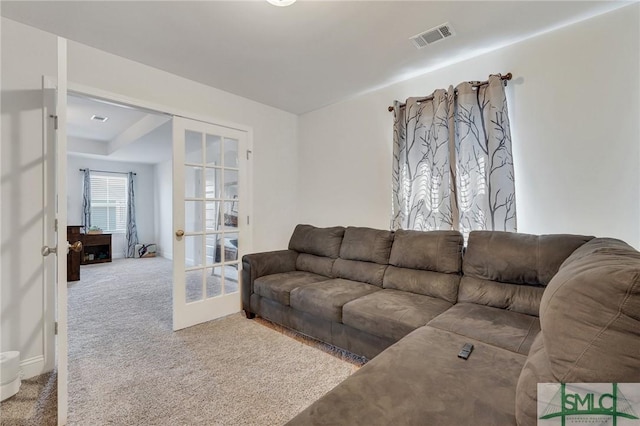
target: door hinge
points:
(55, 225)
(55, 328)
(247, 220)
(55, 121)
(249, 152)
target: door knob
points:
(46, 250)
(179, 233)
(76, 247)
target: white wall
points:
(163, 173)
(144, 189)
(21, 232)
(574, 107)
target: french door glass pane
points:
(193, 254)
(214, 255)
(231, 278)
(213, 216)
(214, 147)
(230, 183)
(213, 182)
(193, 147)
(193, 216)
(231, 247)
(193, 182)
(230, 152)
(214, 281)
(193, 282)
(231, 215)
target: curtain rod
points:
(505, 78)
(107, 171)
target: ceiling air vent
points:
(433, 35)
(99, 118)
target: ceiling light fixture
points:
(282, 2)
(98, 118)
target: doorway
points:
(195, 201)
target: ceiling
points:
(79, 122)
(302, 57)
(129, 134)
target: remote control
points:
(465, 351)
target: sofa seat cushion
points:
(326, 299)
(278, 286)
(391, 313)
(421, 381)
(506, 329)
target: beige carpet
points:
(128, 368)
(34, 405)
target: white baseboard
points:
(32, 367)
(165, 255)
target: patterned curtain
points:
(132, 231)
(86, 200)
(422, 184)
(452, 163)
(484, 163)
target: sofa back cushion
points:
(590, 321)
(437, 251)
(364, 255)
(366, 244)
(510, 270)
(426, 263)
(317, 241)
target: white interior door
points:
(210, 218)
(55, 226)
(62, 243)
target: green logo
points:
(588, 401)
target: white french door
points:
(210, 218)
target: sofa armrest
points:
(260, 264)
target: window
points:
(109, 203)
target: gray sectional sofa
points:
(545, 308)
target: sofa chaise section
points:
(421, 381)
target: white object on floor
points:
(9, 374)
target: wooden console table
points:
(96, 248)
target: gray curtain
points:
(132, 231)
(422, 184)
(86, 200)
(452, 162)
(484, 162)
